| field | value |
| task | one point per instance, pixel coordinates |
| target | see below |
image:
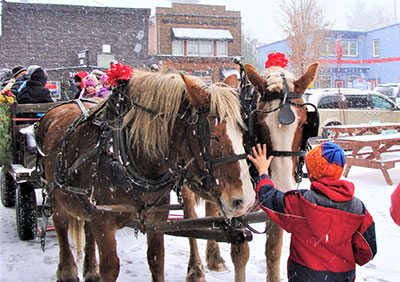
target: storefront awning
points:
(201, 33)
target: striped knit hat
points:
(325, 160)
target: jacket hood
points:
(331, 225)
(39, 75)
(80, 75)
(335, 189)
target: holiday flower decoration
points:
(276, 59)
(6, 97)
(119, 72)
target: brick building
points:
(201, 40)
(53, 36)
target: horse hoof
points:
(92, 279)
(196, 274)
(217, 266)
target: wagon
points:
(19, 179)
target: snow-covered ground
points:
(25, 261)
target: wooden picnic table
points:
(373, 151)
(361, 129)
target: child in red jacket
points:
(331, 230)
(395, 207)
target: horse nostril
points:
(237, 203)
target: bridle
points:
(285, 116)
(199, 122)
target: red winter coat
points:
(331, 229)
(395, 208)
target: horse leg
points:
(195, 271)
(214, 260)
(155, 256)
(67, 270)
(155, 245)
(273, 253)
(90, 267)
(107, 244)
(240, 254)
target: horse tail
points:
(76, 229)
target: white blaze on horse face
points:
(282, 137)
(248, 197)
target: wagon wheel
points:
(7, 189)
(26, 211)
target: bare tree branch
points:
(306, 26)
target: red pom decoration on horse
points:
(276, 60)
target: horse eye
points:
(214, 138)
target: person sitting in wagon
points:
(331, 230)
(34, 91)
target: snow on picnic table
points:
(25, 261)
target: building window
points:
(192, 48)
(206, 48)
(325, 81)
(375, 48)
(350, 48)
(350, 79)
(330, 48)
(106, 49)
(222, 48)
(177, 48)
(200, 48)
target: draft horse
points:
(281, 120)
(119, 161)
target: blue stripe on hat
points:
(333, 154)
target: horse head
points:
(281, 116)
(213, 145)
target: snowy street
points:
(25, 261)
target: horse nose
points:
(237, 203)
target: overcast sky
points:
(261, 18)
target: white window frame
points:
(221, 48)
(348, 46)
(330, 48)
(106, 48)
(206, 48)
(178, 48)
(375, 48)
(192, 48)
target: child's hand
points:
(260, 159)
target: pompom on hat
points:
(326, 160)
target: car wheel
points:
(26, 211)
(7, 189)
(327, 133)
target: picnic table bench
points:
(373, 151)
(361, 129)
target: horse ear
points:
(255, 79)
(305, 80)
(231, 81)
(195, 94)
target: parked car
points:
(391, 90)
(351, 106)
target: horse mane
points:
(150, 133)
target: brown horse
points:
(119, 162)
(283, 134)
